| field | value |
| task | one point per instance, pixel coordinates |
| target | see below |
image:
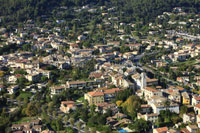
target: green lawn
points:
(81, 99)
(25, 95)
(24, 119)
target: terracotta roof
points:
(96, 93)
(67, 102)
(197, 98)
(151, 80)
(151, 89)
(153, 114)
(76, 82)
(74, 45)
(193, 127)
(95, 75)
(58, 87)
(145, 106)
(162, 129)
(17, 125)
(111, 91)
(184, 130)
(37, 127)
(197, 106)
(180, 88)
(1, 86)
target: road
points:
(162, 75)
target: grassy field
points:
(25, 95)
(24, 119)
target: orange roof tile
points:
(111, 91)
(151, 89)
(96, 93)
(67, 102)
(197, 106)
(77, 82)
(162, 129)
(180, 88)
(197, 98)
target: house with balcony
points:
(76, 84)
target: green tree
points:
(86, 129)
(132, 106)
(79, 125)
(140, 126)
(71, 120)
(31, 110)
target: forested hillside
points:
(142, 10)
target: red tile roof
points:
(197, 98)
(67, 102)
(77, 82)
(96, 93)
(162, 129)
(197, 106)
(151, 89)
(111, 91)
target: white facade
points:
(157, 108)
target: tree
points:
(132, 106)
(31, 110)
(79, 125)
(93, 130)
(141, 126)
(2, 73)
(71, 120)
(183, 109)
(119, 102)
(66, 118)
(54, 114)
(86, 129)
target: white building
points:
(157, 107)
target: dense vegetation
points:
(137, 10)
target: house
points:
(37, 128)
(145, 109)
(119, 116)
(66, 106)
(94, 97)
(195, 100)
(109, 94)
(186, 98)
(12, 79)
(57, 89)
(197, 108)
(76, 84)
(101, 96)
(153, 117)
(198, 120)
(150, 92)
(17, 127)
(124, 122)
(140, 80)
(12, 89)
(188, 118)
(160, 130)
(73, 46)
(182, 79)
(34, 77)
(34, 126)
(1, 87)
(157, 107)
(174, 95)
(192, 128)
(104, 107)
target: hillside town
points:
(101, 75)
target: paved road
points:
(162, 75)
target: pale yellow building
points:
(94, 97)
